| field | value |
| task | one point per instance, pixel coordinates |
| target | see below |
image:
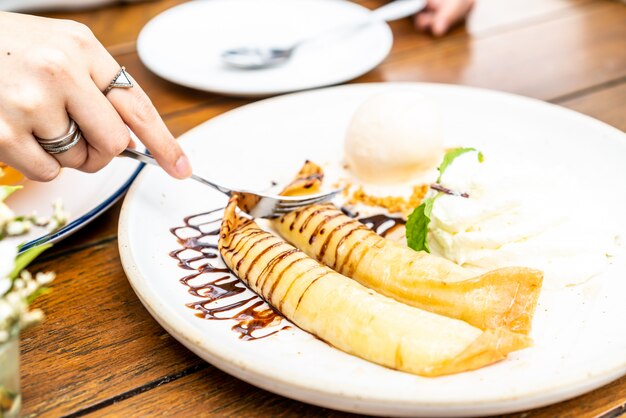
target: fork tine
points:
(279, 210)
(309, 201)
(297, 205)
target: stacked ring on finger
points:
(121, 80)
(62, 143)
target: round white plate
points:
(84, 197)
(578, 331)
(183, 44)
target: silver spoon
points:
(256, 57)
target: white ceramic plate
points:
(578, 331)
(183, 44)
(84, 197)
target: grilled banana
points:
(350, 316)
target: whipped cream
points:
(517, 217)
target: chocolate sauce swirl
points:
(382, 224)
(221, 295)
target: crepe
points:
(350, 316)
(506, 297)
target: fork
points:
(255, 204)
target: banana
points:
(505, 297)
(351, 317)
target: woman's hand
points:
(52, 70)
(441, 15)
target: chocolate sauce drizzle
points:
(221, 295)
(382, 224)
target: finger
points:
(105, 134)
(53, 123)
(432, 4)
(449, 13)
(143, 119)
(137, 111)
(75, 157)
(26, 155)
(423, 21)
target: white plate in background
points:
(578, 331)
(183, 44)
(85, 196)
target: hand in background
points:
(52, 70)
(441, 15)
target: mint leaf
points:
(417, 225)
(452, 155)
(419, 220)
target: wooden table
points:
(100, 352)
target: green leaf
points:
(39, 292)
(452, 155)
(417, 225)
(24, 259)
(6, 191)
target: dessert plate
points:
(84, 196)
(183, 44)
(577, 330)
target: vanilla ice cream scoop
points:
(393, 136)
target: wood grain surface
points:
(100, 353)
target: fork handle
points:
(148, 159)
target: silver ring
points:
(121, 80)
(63, 147)
(60, 139)
(62, 143)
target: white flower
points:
(15, 293)
(45, 278)
(30, 318)
(52, 225)
(59, 212)
(6, 215)
(8, 252)
(14, 228)
(5, 310)
(25, 275)
(18, 284)
(7, 314)
(5, 285)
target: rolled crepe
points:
(351, 317)
(506, 297)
